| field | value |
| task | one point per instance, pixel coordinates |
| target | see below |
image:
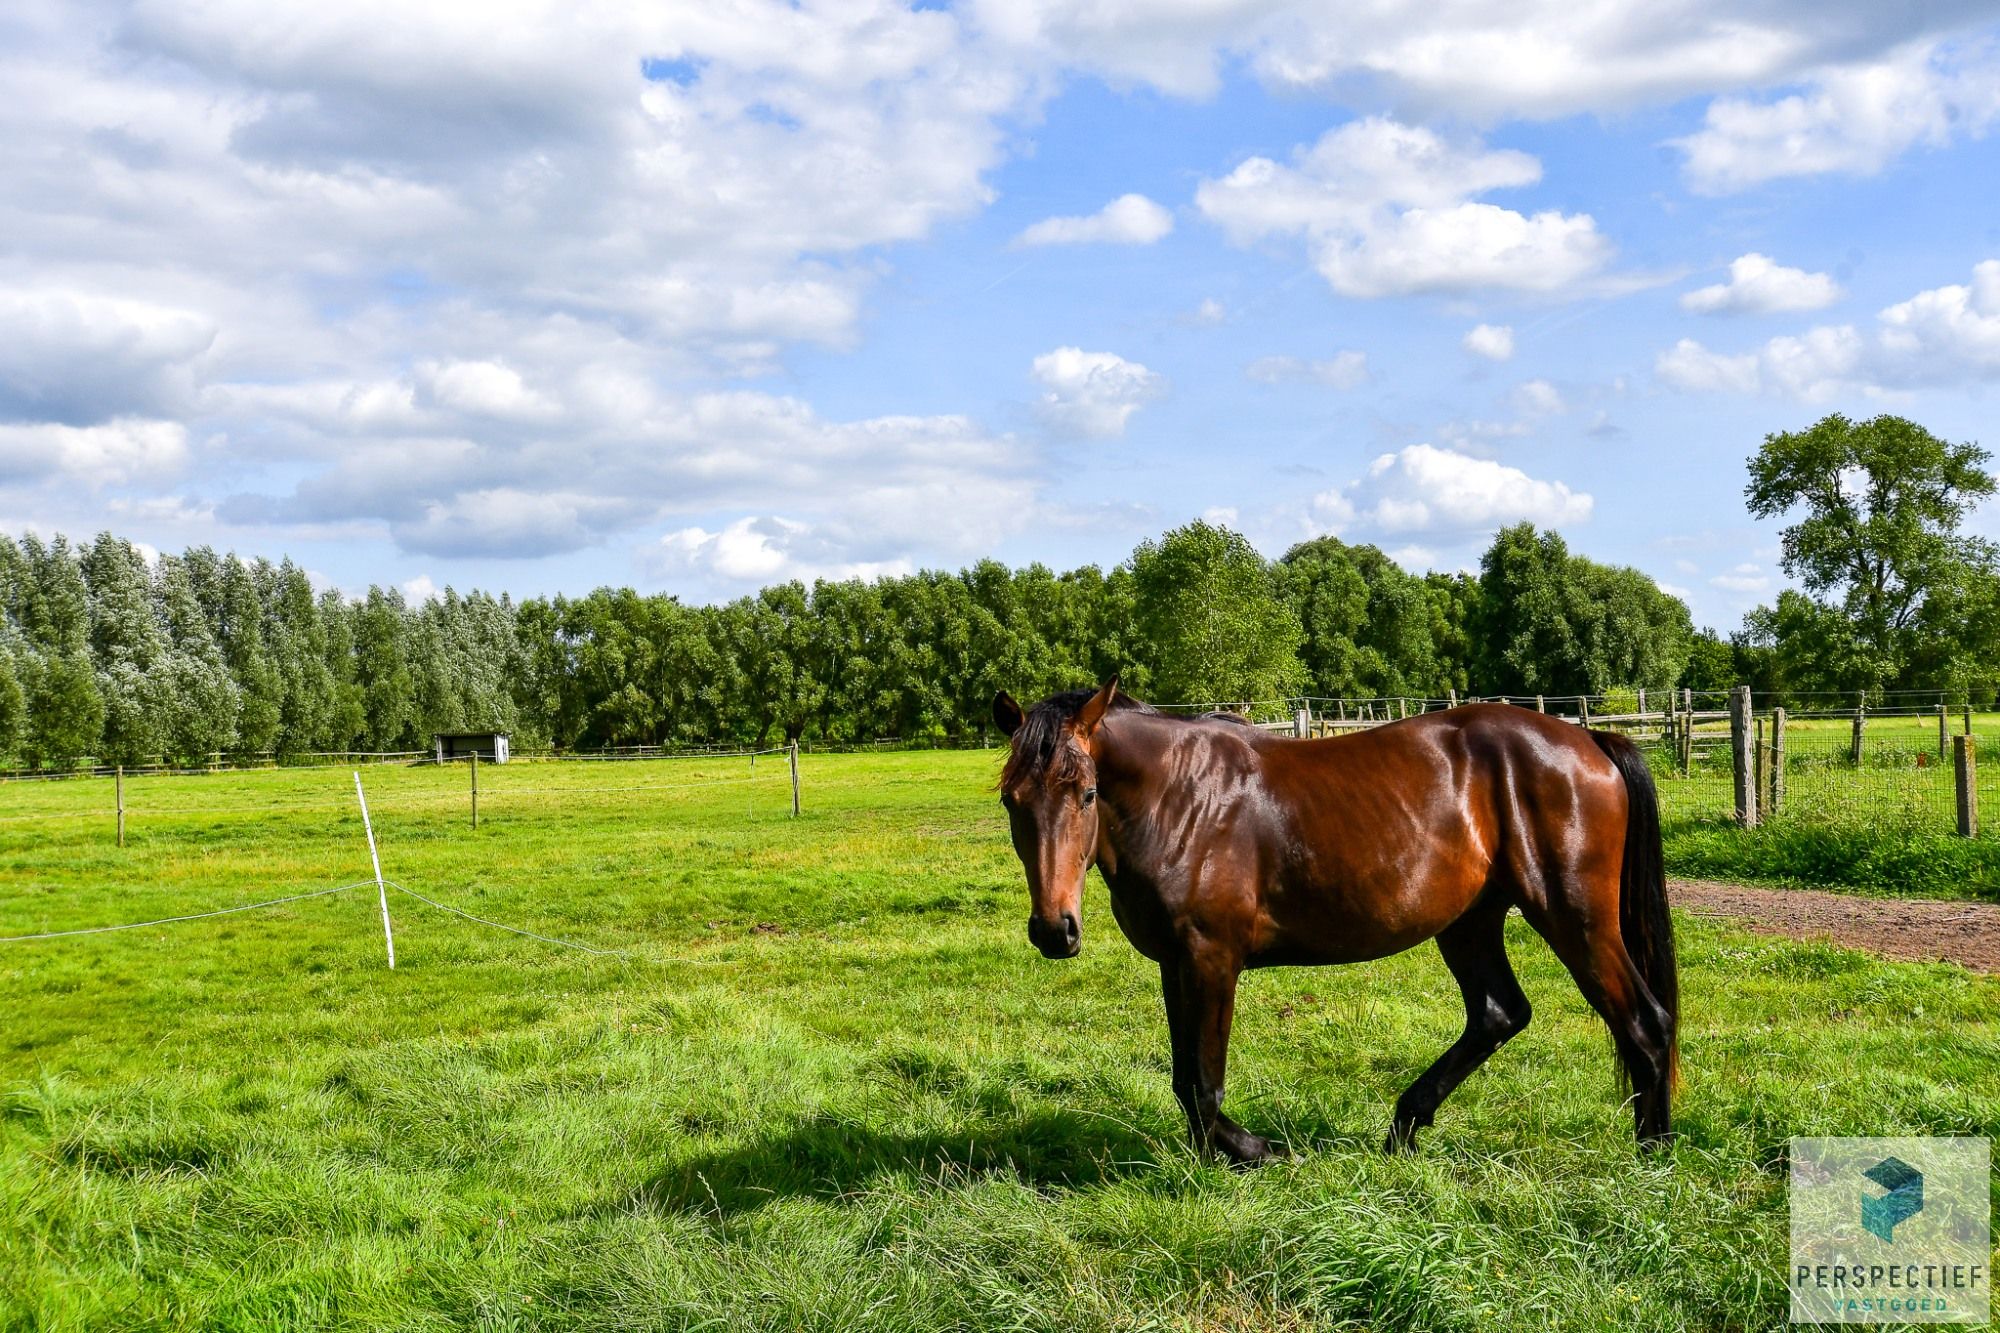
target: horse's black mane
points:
(1039, 751)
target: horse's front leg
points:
(1200, 993)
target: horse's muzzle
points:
(1056, 939)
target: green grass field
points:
(833, 1087)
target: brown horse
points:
(1227, 848)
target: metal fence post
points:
(795, 779)
(121, 805)
(475, 790)
(1944, 731)
(1965, 770)
(1740, 753)
(1777, 784)
(1860, 724)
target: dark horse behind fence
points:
(1226, 847)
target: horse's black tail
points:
(1643, 918)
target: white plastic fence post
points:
(381, 889)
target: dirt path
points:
(1923, 929)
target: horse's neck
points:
(1130, 777)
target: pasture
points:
(832, 1086)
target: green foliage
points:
(1821, 854)
(1370, 627)
(1548, 622)
(200, 653)
(1876, 542)
(1214, 618)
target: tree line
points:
(107, 655)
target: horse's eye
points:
(1089, 795)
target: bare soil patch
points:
(1918, 929)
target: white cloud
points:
(1855, 119)
(1473, 59)
(120, 450)
(1759, 286)
(1951, 329)
(1210, 312)
(1092, 393)
(421, 589)
(1690, 366)
(1949, 334)
(79, 356)
(482, 389)
(1342, 370)
(1221, 516)
(1387, 209)
(1130, 219)
(1539, 398)
(1425, 489)
(1746, 578)
(754, 552)
(1495, 342)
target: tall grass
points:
(834, 1088)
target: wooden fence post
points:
(1760, 769)
(1860, 725)
(1740, 753)
(795, 779)
(121, 805)
(1583, 710)
(1777, 784)
(1302, 723)
(1452, 695)
(1538, 705)
(1944, 731)
(1965, 770)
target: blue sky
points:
(442, 294)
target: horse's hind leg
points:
(1474, 948)
(1593, 950)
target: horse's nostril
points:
(1071, 930)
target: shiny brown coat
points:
(1225, 848)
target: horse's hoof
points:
(1402, 1140)
(1252, 1151)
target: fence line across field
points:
(124, 808)
(327, 893)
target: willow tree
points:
(1215, 619)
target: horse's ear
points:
(1006, 713)
(1094, 709)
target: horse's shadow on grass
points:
(831, 1158)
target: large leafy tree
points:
(1549, 622)
(1877, 509)
(1215, 618)
(1371, 627)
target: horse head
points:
(1049, 787)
